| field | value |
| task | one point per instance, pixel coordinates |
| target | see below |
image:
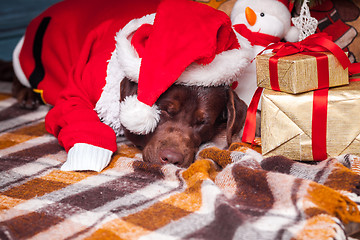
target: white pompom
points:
(138, 117)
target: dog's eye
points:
(172, 109)
(200, 118)
(169, 109)
(200, 122)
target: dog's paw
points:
(28, 99)
(25, 96)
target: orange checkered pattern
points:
(225, 194)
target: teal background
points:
(15, 15)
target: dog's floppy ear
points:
(236, 114)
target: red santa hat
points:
(188, 43)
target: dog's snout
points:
(171, 156)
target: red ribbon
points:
(319, 42)
(354, 68)
(250, 121)
(312, 45)
(319, 123)
(274, 80)
(320, 102)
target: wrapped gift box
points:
(298, 73)
(286, 123)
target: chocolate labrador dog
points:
(190, 116)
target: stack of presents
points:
(310, 107)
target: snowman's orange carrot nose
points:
(250, 16)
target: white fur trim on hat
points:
(107, 107)
(128, 59)
(138, 117)
(223, 70)
(124, 62)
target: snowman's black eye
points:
(262, 14)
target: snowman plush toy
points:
(259, 23)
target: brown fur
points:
(25, 96)
(190, 116)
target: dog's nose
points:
(171, 156)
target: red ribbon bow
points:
(319, 42)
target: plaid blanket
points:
(225, 194)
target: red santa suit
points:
(76, 53)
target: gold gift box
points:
(286, 123)
(298, 73)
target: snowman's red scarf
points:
(255, 38)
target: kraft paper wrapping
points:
(295, 70)
(286, 123)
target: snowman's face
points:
(265, 16)
(260, 21)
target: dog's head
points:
(190, 116)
